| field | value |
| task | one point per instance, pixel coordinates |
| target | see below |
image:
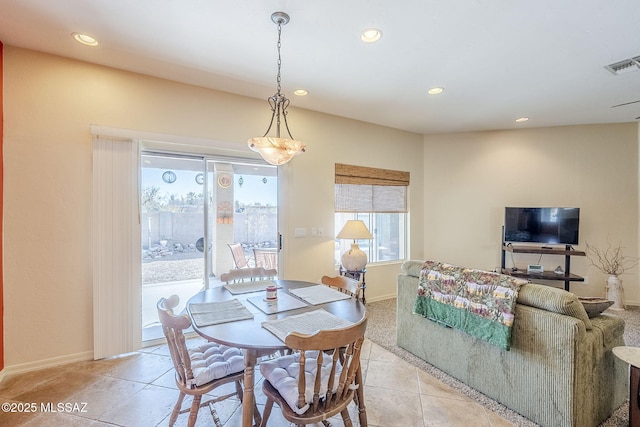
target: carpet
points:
(381, 329)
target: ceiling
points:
(497, 60)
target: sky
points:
(253, 189)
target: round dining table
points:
(256, 341)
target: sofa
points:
(559, 370)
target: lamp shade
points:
(354, 229)
(354, 259)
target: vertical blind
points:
(365, 189)
(116, 247)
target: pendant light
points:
(275, 149)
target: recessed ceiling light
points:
(85, 39)
(435, 91)
(370, 35)
(522, 119)
(301, 92)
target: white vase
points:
(615, 292)
(354, 259)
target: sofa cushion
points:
(554, 300)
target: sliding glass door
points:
(172, 223)
(192, 209)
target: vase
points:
(354, 259)
(615, 292)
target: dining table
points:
(240, 315)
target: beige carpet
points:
(381, 329)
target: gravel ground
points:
(176, 267)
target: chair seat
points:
(211, 361)
(283, 373)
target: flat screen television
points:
(542, 225)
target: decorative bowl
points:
(594, 306)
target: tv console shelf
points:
(567, 252)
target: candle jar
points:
(272, 293)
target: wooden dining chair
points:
(313, 384)
(344, 284)
(239, 257)
(267, 258)
(248, 274)
(199, 370)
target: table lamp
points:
(354, 259)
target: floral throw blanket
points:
(480, 303)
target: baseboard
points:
(45, 363)
(381, 298)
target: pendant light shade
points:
(275, 149)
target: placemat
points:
(248, 287)
(305, 323)
(318, 294)
(283, 303)
(213, 313)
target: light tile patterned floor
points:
(138, 390)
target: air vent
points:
(622, 67)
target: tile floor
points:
(138, 390)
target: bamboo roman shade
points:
(364, 189)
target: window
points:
(378, 197)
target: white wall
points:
(470, 177)
(456, 203)
(50, 102)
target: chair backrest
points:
(246, 274)
(343, 346)
(266, 258)
(239, 258)
(344, 284)
(173, 327)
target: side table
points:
(356, 274)
(631, 355)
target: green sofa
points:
(560, 370)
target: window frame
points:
(356, 197)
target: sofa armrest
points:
(412, 267)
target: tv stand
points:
(567, 252)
